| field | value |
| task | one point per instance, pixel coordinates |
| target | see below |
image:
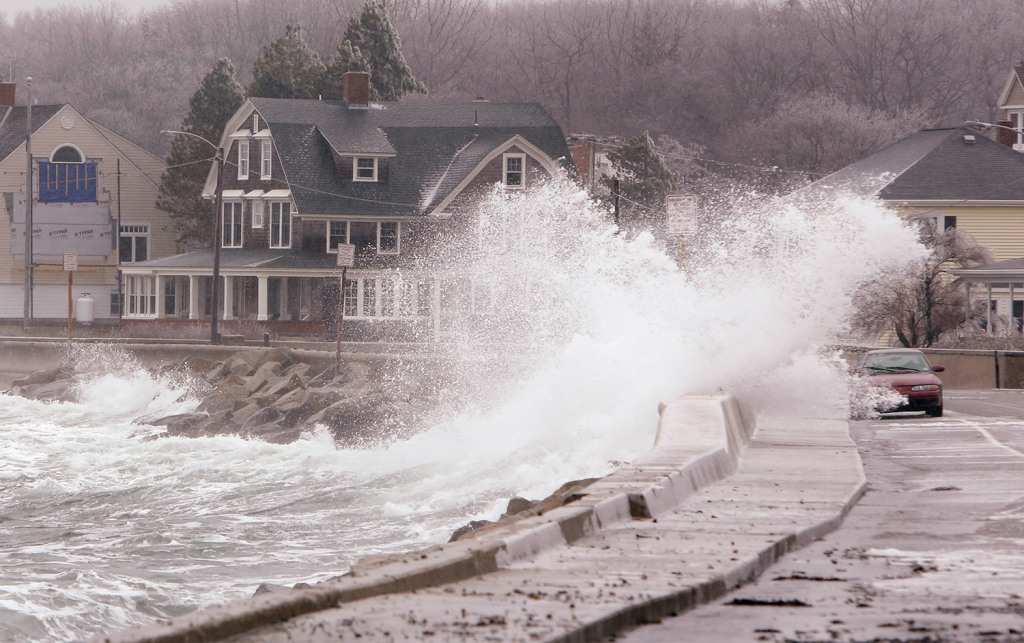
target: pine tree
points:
(218, 97)
(644, 179)
(288, 68)
(372, 44)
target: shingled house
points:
(303, 176)
(93, 193)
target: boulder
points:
(43, 377)
(263, 374)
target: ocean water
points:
(103, 527)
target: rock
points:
(277, 356)
(277, 389)
(268, 588)
(198, 364)
(240, 416)
(314, 402)
(519, 504)
(468, 528)
(42, 377)
(56, 391)
(261, 417)
(263, 374)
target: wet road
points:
(934, 551)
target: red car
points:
(907, 371)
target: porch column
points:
(967, 301)
(193, 297)
(159, 286)
(283, 311)
(261, 299)
(229, 298)
(1013, 320)
(988, 310)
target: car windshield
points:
(896, 363)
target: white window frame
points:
(1017, 118)
(372, 178)
(257, 213)
(140, 297)
(240, 211)
(243, 159)
(266, 159)
(344, 235)
(276, 218)
(133, 231)
(505, 171)
(398, 237)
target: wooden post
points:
(341, 322)
(71, 276)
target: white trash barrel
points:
(85, 309)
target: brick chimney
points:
(1005, 136)
(7, 94)
(355, 88)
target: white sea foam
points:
(102, 528)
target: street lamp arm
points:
(991, 125)
(193, 135)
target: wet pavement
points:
(934, 550)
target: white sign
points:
(70, 261)
(681, 213)
(346, 255)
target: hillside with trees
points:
(805, 85)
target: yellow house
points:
(93, 193)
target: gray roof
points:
(13, 121)
(242, 258)
(434, 146)
(937, 164)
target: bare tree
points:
(923, 305)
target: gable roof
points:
(433, 147)
(1013, 90)
(13, 125)
(952, 164)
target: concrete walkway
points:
(707, 510)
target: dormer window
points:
(365, 169)
(515, 170)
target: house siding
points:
(1016, 97)
(1000, 229)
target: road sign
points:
(346, 255)
(70, 261)
(681, 214)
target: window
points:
(115, 304)
(1017, 123)
(337, 233)
(140, 295)
(243, 160)
(281, 224)
(365, 169)
(387, 237)
(257, 214)
(515, 165)
(266, 153)
(232, 233)
(369, 308)
(351, 297)
(134, 243)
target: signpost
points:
(70, 266)
(681, 219)
(346, 259)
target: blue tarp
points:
(67, 182)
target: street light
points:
(214, 336)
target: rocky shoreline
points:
(275, 396)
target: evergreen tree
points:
(288, 68)
(372, 44)
(218, 97)
(644, 179)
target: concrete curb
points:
(699, 442)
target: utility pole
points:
(217, 236)
(29, 261)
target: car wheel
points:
(935, 411)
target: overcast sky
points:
(11, 7)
